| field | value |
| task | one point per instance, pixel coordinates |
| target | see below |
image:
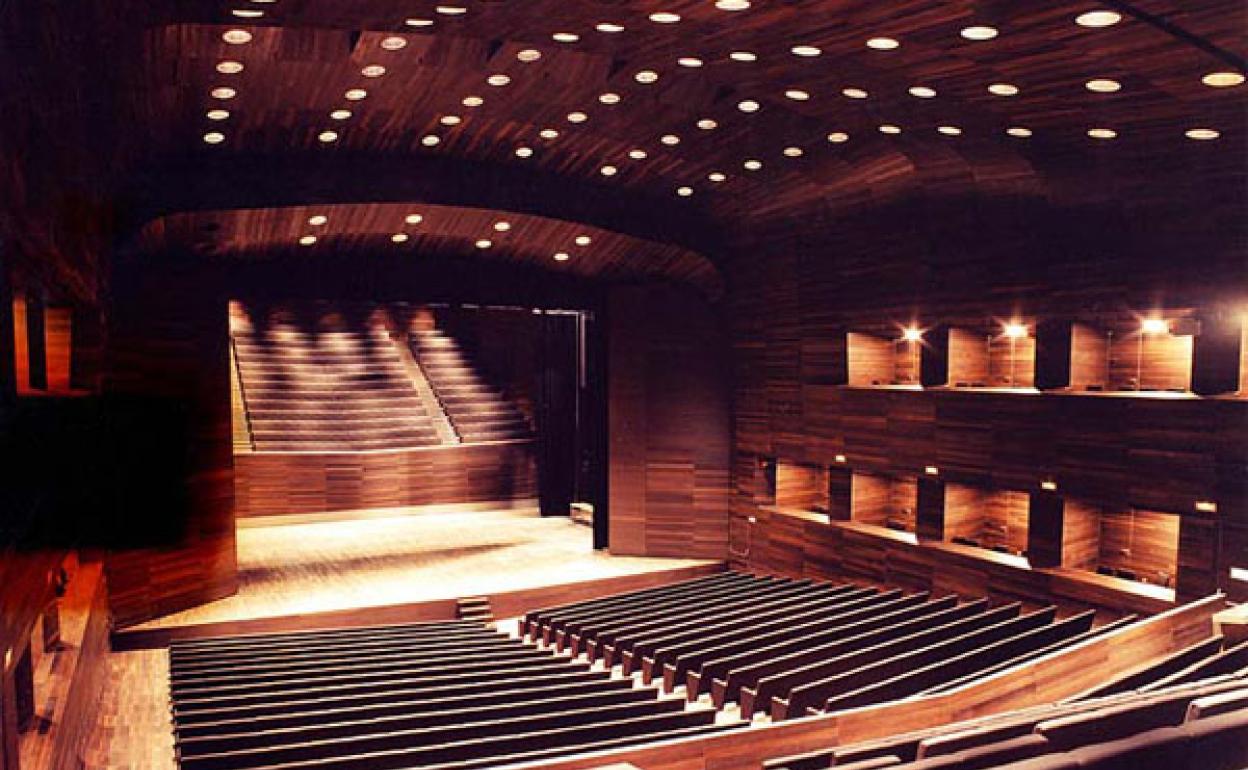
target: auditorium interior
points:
(624, 384)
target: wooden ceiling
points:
(423, 231)
(479, 87)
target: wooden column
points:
(1045, 528)
(840, 493)
(36, 344)
(930, 510)
(1053, 340)
(934, 358)
(1216, 353)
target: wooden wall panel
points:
(669, 425)
(278, 483)
(872, 360)
(1144, 542)
(1081, 535)
(21, 346)
(58, 344)
(968, 358)
(1089, 358)
(804, 487)
(1140, 361)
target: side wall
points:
(669, 425)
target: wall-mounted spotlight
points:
(839, 458)
(1206, 506)
(1048, 485)
(1015, 330)
(1154, 326)
(932, 470)
(912, 334)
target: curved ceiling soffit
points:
(418, 228)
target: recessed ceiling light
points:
(748, 105)
(805, 50)
(562, 256)
(1103, 85)
(838, 137)
(484, 243)
(502, 226)
(430, 140)
(1222, 79)
(689, 61)
(1018, 131)
(671, 140)
(888, 128)
(949, 130)
(732, 5)
(752, 165)
(394, 43)
(451, 10)
(797, 95)
(247, 13)
(419, 22)
(608, 170)
(565, 37)
(472, 101)
(855, 93)
(548, 133)
(340, 114)
(923, 92)
(327, 136)
(413, 219)
(1096, 19)
(745, 56)
(498, 80)
(883, 43)
(373, 71)
(1202, 134)
(979, 32)
(608, 27)
(637, 154)
(524, 152)
(318, 220)
(450, 120)
(1003, 89)
(577, 117)
(229, 67)
(664, 17)
(792, 152)
(1102, 133)
(706, 124)
(609, 98)
(223, 92)
(684, 192)
(216, 137)
(307, 240)
(399, 237)
(583, 240)
(529, 55)
(236, 36)
(355, 94)
(717, 176)
(218, 114)
(646, 76)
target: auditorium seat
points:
(453, 694)
(321, 379)
(478, 411)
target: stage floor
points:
(306, 567)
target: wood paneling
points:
(21, 346)
(1139, 361)
(1143, 542)
(1081, 535)
(669, 425)
(58, 347)
(278, 483)
(1089, 358)
(968, 358)
(804, 487)
(879, 500)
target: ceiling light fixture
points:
(608, 27)
(608, 170)
(562, 256)
(340, 114)
(583, 240)
(577, 117)
(373, 71)
(355, 94)
(748, 105)
(1102, 133)
(528, 55)
(1003, 89)
(1223, 79)
(979, 32)
(752, 165)
(609, 98)
(743, 56)
(797, 95)
(805, 50)
(413, 219)
(484, 243)
(419, 22)
(732, 5)
(327, 136)
(692, 62)
(646, 77)
(1202, 134)
(838, 137)
(214, 137)
(883, 44)
(664, 17)
(949, 130)
(855, 93)
(393, 43)
(524, 152)
(502, 226)
(472, 101)
(318, 220)
(889, 128)
(236, 36)
(706, 124)
(450, 120)
(923, 92)
(684, 192)
(792, 152)
(399, 237)
(430, 140)
(498, 80)
(218, 114)
(247, 13)
(671, 140)
(637, 154)
(223, 92)
(1018, 131)
(229, 67)
(717, 176)
(548, 133)
(307, 240)
(1103, 85)
(451, 10)
(1098, 19)
(565, 37)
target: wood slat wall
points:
(278, 483)
(58, 344)
(669, 425)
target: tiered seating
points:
(789, 647)
(1195, 726)
(477, 410)
(327, 384)
(1199, 661)
(431, 695)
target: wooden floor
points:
(367, 562)
(133, 731)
